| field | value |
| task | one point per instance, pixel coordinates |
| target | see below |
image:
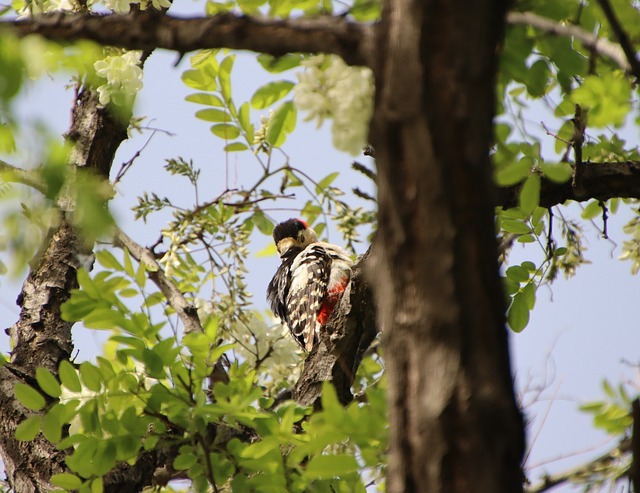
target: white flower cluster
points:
(123, 74)
(171, 259)
(329, 88)
(42, 7)
(35, 7)
(124, 6)
(272, 343)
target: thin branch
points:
(622, 36)
(146, 31)
(604, 47)
(587, 470)
(185, 310)
(13, 174)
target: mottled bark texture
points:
(454, 425)
(40, 337)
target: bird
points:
(309, 282)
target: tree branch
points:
(622, 36)
(600, 181)
(146, 30)
(186, 311)
(604, 47)
(589, 470)
(13, 174)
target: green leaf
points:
(107, 260)
(606, 96)
(538, 79)
(91, 376)
(275, 65)
(263, 224)
(225, 131)
(213, 115)
(557, 172)
(48, 382)
(512, 226)
(270, 93)
(29, 397)
(244, 118)
(52, 425)
(330, 466)
(184, 461)
(268, 251)
(593, 209)
(518, 314)
(513, 173)
(66, 481)
(529, 292)
(205, 98)
(529, 197)
(235, 147)
(281, 122)
(202, 79)
(517, 273)
(28, 429)
(97, 485)
(69, 376)
(224, 77)
(326, 182)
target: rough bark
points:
(599, 181)
(454, 424)
(40, 337)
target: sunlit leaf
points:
(28, 429)
(29, 397)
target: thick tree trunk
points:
(40, 337)
(455, 426)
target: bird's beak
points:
(284, 244)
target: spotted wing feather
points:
(310, 277)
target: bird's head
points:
(293, 233)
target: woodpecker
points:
(309, 282)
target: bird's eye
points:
(301, 237)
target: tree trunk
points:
(455, 426)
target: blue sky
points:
(581, 330)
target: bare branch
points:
(604, 47)
(146, 31)
(186, 311)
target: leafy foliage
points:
(157, 387)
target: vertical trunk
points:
(455, 426)
(40, 337)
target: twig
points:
(584, 470)
(13, 174)
(623, 39)
(185, 310)
(604, 47)
(126, 166)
